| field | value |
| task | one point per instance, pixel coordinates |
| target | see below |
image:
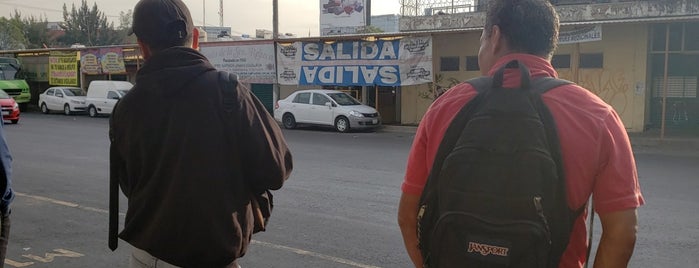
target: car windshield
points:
(72, 92)
(3, 95)
(343, 99)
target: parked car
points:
(66, 99)
(103, 95)
(10, 108)
(325, 107)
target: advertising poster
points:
(112, 61)
(341, 16)
(63, 68)
(403, 62)
(89, 62)
(252, 63)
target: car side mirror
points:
(59, 95)
(329, 104)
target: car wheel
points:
(14, 121)
(44, 109)
(66, 109)
(342, 124)
(92, 111)
(289, 121)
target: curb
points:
(690, 145)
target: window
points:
(691, 36)
(303, 98)
(472, 63)
(49, 92)
(592, 61)
(59, 93)
(560, 61)
(659, 38)
(319, 99)
(112, 95)
(449, 64)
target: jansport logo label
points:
(486, 250)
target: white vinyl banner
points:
(341, 16)
(253, 63)
(403, 62)
(586, 34)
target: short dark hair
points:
(529, 26)
(162, 24)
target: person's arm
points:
(618, 239)
(407, 220)
(266, 157)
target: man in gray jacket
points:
(188, 165)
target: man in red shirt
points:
(596, 151)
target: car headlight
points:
(15, 107)
(75, 101)
(356, 114)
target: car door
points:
(300, 107)
(110, 101)
(57, 100)
(319, 113)
(48, 96)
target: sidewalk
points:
(686, 143)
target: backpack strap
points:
(451, 136)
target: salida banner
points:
(403, 62)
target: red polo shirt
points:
(596, 151)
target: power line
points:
(44, 9)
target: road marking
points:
(17, 264)
(313, 254)
(104, 211)
(48, 257)
(65, 204)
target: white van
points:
(103, 95)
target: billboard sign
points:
(339, 17)
(253, 63)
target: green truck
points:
(12, 83)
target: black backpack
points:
(496, 194)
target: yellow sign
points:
(112, 60)
(63, 68)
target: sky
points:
(244, 16)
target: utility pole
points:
(275, 19)
(204, 24)
(220, 13)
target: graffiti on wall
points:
(610, 85)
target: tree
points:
(11, 36)
(34, 30)
(125, 23)
(88, 26)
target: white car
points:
(103, 95)
(325, 107)
(67, 99)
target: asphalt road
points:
(337, 210)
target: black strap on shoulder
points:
(451, 136)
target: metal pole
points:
(368, 13)
(220, 13)
(204, 23)
(667, 55)
(275, 19)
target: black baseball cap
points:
(162, 23)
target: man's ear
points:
(195, 39)
(497, 40)
(145, 50)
